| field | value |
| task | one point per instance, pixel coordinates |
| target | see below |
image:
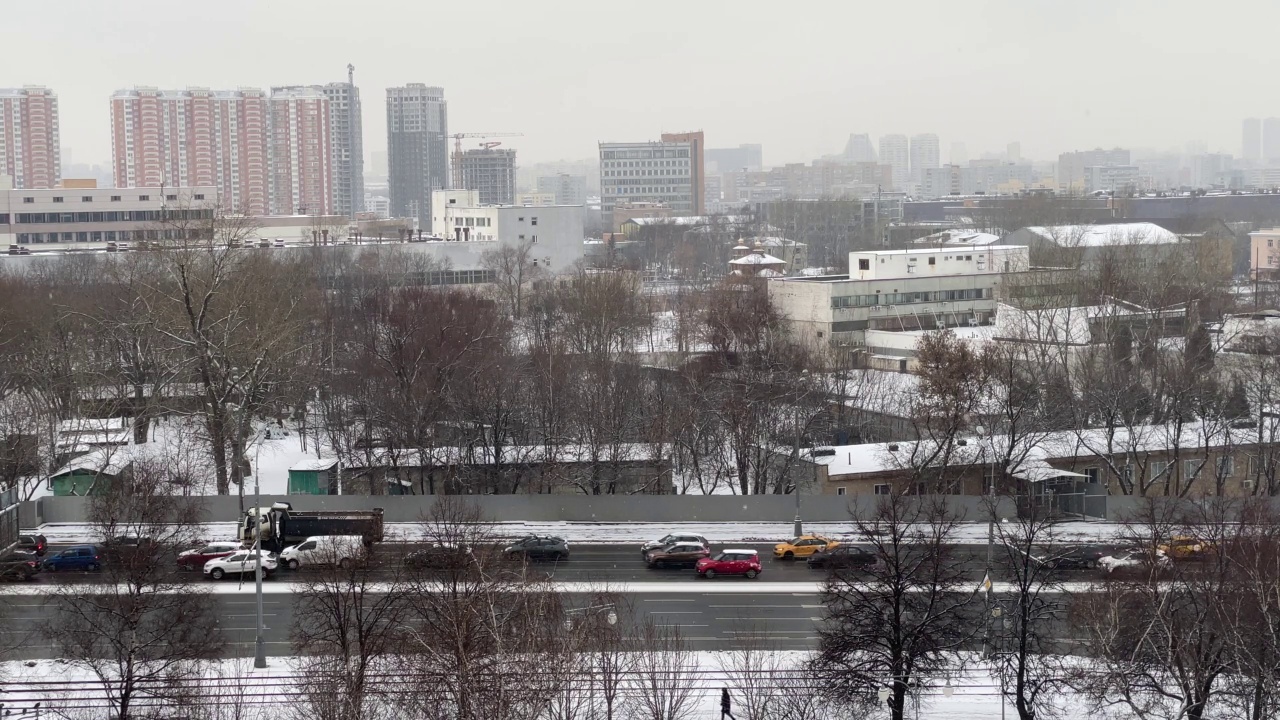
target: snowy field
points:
(635, 533)
(61, 688)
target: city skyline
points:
(571, 118)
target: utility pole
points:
(260, 647)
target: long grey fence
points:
(550, 508)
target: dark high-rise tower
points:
(417, 149)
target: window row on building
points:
(96, 236)
(117, 216)
(644, 153)
(849, 301)
(31, 199)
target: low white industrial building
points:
(898, 290)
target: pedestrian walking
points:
(726, 705)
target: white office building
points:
(462, 230)
(925, 155)
(898, 290)
(655, 172)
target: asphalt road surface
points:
(586, 563)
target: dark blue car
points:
(77, 557)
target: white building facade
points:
(659, 172)
(900, 290)
(465, 229)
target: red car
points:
(195, 559)
(730, 562)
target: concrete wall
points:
(547, 508)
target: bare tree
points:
(900, 624)
(142, 635)
(347, 619)
(662, 679)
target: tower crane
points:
(457, 150)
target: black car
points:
(19, 565)
(33, 544)
(842, 556)
(538, 547)
(439, 557)
(1084, 557)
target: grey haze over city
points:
(1055, 77)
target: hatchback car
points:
(537, 547)
(33, 543)
(730, 562)
(77, 557)
(804, 546)
(669, 540)
(1132, 560)
(845, 556)
(191, 559)
(244, 562)
(677, 555)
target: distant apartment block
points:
(698, 150)
(1271, 140)
(491, 172)
(194, 138)
(346, 145)
(926, 154)
(30, 149)
(417, 149)
(1251, 140)
(567, 189)
(749, 158)
(301, 159)
(1071, 165)
(859, 149)
(1111, 178)
(662, 173)
(536, 199)
(895, 151)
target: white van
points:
(324, 550)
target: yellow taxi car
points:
(804, 546)
(1186, 547)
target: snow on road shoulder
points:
(628, 533)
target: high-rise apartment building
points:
(859, 149)
(346, 143)
(417, 149)
(925, 154)
(567, 189)
(492, 173)
(346, 146)
(301, 152)
(194, 137)
(30, 150)
(1251, 143)
(697, 153)
(1071, 165)
(650, 172)
(1271, 140)
(895, 152)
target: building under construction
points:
(491, 172)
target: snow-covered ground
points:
(636, 533)
(58, 686)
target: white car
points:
(681, 538)
(1130, 559)
(337, 550)
(241, 563)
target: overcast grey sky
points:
(795, 76)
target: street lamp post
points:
(260, 647)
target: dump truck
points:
(282, 526)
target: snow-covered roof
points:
(105, 461)
(758, 259)
(775, 242)
(871, 458)
(768, 272)
(92, 425)
(1140, 233)
(518, 454)
(693, 220)
(1065, 325)
(741, 247)
(959, 237)
(314, 464)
